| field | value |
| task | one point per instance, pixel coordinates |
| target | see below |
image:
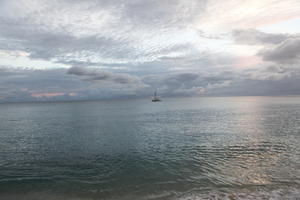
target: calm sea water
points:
(187, 148)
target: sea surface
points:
(180, 148)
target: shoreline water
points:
(249, 193)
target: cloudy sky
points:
(99, 49)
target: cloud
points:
(251, 87)
(81, 83)
(58, 84)
(286, 52)
(106, 33)
(188, 84)
(278, 48)
(60, 46)
(99, 31)
(99, 75)
(232, 14)
(47, 95)
(255, 37)
(28, 85)
(129, 48)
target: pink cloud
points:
(47, 95)
(248, 61)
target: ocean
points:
(180, 148)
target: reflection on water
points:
(180, 148)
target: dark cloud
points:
(99, 75)
(188, 84)
(286, 52)
(58, 84)
(78, 83)
(181, 78)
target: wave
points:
(250, 193)
(254, 193)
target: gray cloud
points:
(74, 38)
(78, 83)
(162, 12)
(286, 52)
(25, 84)
(61, 46)
(266, 80)
(203, 34)
(129, 48)
(189, 84)
(57, 84)
(255, 37)
(250, 87)
(99, 75)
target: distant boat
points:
(155, 98)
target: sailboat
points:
(155, 98)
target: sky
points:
(104, 49)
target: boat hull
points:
(156, 100)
